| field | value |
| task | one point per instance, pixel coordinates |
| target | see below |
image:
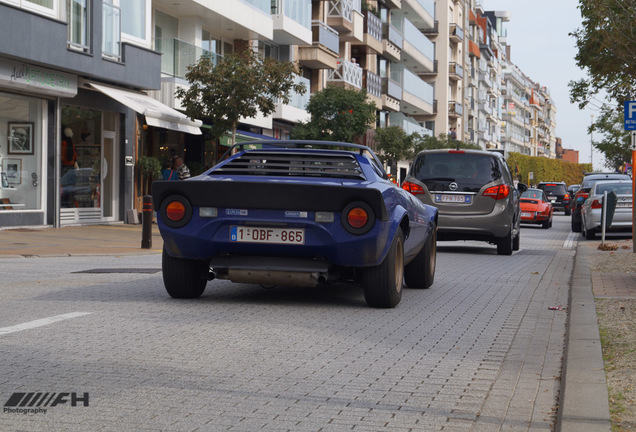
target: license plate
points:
(624, 205)
(526, 215)
(247, 234)
(553, 200)
(447, 198)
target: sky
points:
(541, 47)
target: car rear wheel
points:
(183, 278)
(420, 273)
(383, 284)
(546, 223)
(505, 244)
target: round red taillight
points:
(357, 217)
(175, 211)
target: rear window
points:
(618, 188)
(470, 171)
(553, 188)
(589, 181)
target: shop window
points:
(21, 160)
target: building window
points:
(111, 41)
(78, 31)
(134, 18)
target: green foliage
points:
(606, 45)
(239, 85)
(150, 166)
(544, 169)
(337, 114)
(616, 142)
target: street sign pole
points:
(633, 191)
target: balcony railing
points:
(373, 25)
(346, 72)
(297, 10)
(455, 108)
(417, 39)
(393, 35)
(392, 88)
(264, 5)
(456, 69)
(456, 32)
(343, 8)
(296, 99)
(408, 124)
(178, 55)
(417, 87)
(373, 83)
(325, 35)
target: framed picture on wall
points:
(20, 138)
(13, 169)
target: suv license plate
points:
(245, 234)
(446, 198)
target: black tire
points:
(183, 278)
(504, 244)
(420, 273)
(590, 234)
(546, 224)
(516, 242)
(382, 284)
(576, 225)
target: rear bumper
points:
(488, 227)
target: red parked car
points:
(535, 208)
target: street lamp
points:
(591, 142)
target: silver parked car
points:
(474, 193)
(592, 208)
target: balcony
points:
(417, 95)
(418, 52)
(473, 49)
(295, 110)
(347, 73)
(177, 55)
(391, 94)
(372, 38)
(455, 71)
(408, 124)
(340, 14)
(455, 109)
(485, 78)
(456, 33)
(324, 51)
(292, 22)
(392, 41)
(420, 12)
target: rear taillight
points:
(357, 217)
(413, 188)
(497, 192)
(175, 211)
(596, 204)
(566, 197)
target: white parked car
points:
(593, 206)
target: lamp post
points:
(591, 142)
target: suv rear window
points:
(470, 171)
(553, 188)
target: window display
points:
(21, 152)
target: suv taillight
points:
(497, 192)
(415, 189)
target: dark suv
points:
(474, 193)
(584, 191)
(557, 194)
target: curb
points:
(584, 397)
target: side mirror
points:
(522, 187)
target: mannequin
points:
(69, 155)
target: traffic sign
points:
(630, 115)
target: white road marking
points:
(570, 241)
(41, 322)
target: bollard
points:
(146, 223)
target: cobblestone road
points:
(480, 350)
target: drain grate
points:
(120, 270)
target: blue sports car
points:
(299, 213)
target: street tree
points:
(238, 85)
(393, 145)
(615, 142)
(337, 114)
(606, 45)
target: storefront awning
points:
(156, 113)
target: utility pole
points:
(591, 143)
